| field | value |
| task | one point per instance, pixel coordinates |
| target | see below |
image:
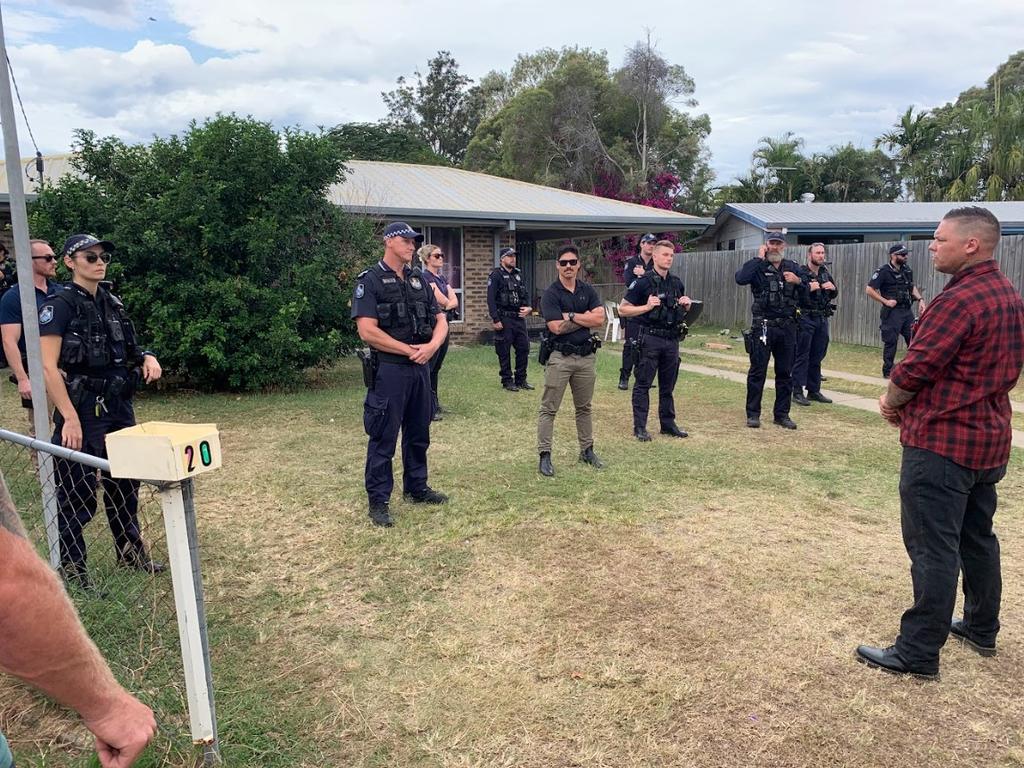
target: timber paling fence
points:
(710, 276)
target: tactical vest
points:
(99, 336)
(902, 289)
(668, 315)
(819, 301)
(403, 308)
(511, 292)
(773, 296)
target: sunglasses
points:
(437, 255)
(49, 257)
(568, 262)
(92, 258)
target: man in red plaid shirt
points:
(950, 398)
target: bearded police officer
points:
(508, 305)
(657, 303)
(397, 315)
(816, 308)
(92, 362)
(635, 267)
(892, 286)
(776, 288)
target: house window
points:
(732, 245)
(718, 246)
(449, 240)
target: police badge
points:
(360, 291)
(415, 283)
(45, 314)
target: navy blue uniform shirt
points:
(10, 307)
(643, 287)
(759, 274)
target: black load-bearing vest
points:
(773, 296)
(100, 335)
(403, 309)
(668, 315)
(902, 289)
(511, 291)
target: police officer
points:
(636, 266)
(657, 303)
(776, 287)
(92, 362)
(816, 308)
(397, 315)
(892, 286)
(508, 305)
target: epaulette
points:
(362, 274)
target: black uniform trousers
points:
(76, 487)
(435, 368)
(400, 400)
(811, 346)
(631, 334)
(896, 322)
(659, 356)
(512, 336)
(946, 512)
(780, 345)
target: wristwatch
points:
(572, 317)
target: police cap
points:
(76, 243)
(507, 252)
(898, 250)
(648, 238)
(400, 229)
(774, 236)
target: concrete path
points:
(839, 398)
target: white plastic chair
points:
(611, 315)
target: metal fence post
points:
(178, 504)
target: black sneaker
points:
(754, 422)
(799, 398)
(785, 422)
(380, 514)
(427, 496)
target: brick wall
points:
(478, 261)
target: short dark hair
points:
(568, 249)
(812, 246)
(980, 221)
(665, 244)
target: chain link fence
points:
(107, 539)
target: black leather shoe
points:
(427, 496)
(785, 422)
(589, 457)
(642, 434)
(380, 514)
(754, 422)
(623, 382)
(546, 468)
(526, 385)
(675, 431)
(961, 633)
(818, 397)
(511, 387)
(799, 399)
(889, 660)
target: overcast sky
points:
(832, 72)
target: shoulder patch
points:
(874, 276)
(488, 282)
(415, 282)
(46, 314)
(360, 290)
(630, 288)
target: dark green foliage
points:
(381, 141)
(234, 265)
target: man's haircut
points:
(568, 249)
(980, 222)
(812, 246)
(665, 244)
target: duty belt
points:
(775, 322)
(587, 348)
(664, 333)
(390, 357)
(508, 312)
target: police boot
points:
(546, 468)
(510, 386)
(380, 514)
(785, 422)
(427, 496)
(526, 385)
(623, 380)
(139, 560)
(589, 457)
(818, 397)
(674, 430)
(799, 398)
(641, 434)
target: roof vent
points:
(807, 197)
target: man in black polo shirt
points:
(572, 310)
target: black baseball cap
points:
(898, 250)
(648, 238)
(507, 252)
(774, 236)
(76, 243)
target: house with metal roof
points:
(742, 225)
(471, 216)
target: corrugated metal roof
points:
(868, 216)
(429, 191)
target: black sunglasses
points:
(92, 258)
(568, 262)
(49, 257)
(437, 255)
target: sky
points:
(831, 72)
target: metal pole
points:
(26, 288)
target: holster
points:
(546, 346)
(370, 362)
(748, 340)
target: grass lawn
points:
(696, 603)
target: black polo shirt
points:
(557, 300)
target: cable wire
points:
(22, 105)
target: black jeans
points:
(946, 514)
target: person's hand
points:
(920, 307)
(791, 278)
(151, 370)
(25, 389)
(762, 250)
(814, 285)
(889, 303)
(421, 353)
(498, 326)
(638, 271)
(653, 301)
(890, 414)
(524, 311)
(685, 301)
(829, 286)
(123, 732)
(71, 433)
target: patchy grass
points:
(695, 603)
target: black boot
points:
(799, 398)
(589, 457)
(546, 468)
(623, 380)
(380, 514)
(641, 434)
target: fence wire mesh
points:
(108, 536)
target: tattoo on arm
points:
(567, 326)
(897, 397)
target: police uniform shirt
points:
(557, 300)
(369, 291)
(10, 307)
(820, 298)
(652, 284)
(758, 274)
(56, 315)
(635, 261)
(887, 281)
(494, 284)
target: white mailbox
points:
(162, 450)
